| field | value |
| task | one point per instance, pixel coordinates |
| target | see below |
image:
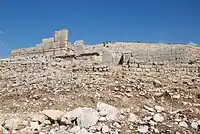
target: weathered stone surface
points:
(183, 124)
(47, 122)
(143, 129)
(194, 125)
(158, 118)
(79, 47)
(86, 117)
(35, 126)
(113, 112)
(14, 123)
(157, 83)
(105, 129)
(149, 108)
(107, 58)
(159, 108)
(39, 117)
(53, 114)
(75, 129)
(132, 118)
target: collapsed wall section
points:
(147, 53)
(60, 40)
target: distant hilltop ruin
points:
(48, 47)
(131, 55)
(110, 52)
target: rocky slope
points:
(111, 101)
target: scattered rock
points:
(159, 108)
(75, 129)
(176, 96)
(86, 117)
(157, 83)
(3, 130)
(158, 118)
(102, 119)
(105, 129)
(143, 129)
(35, 126)
(117, 125)
(65, 121)
(132, 118)
(194, 125)
(112, 112)
(149, 109)
(183, 124)
(47, 122)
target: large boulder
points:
(39, 117)
(112, 112)
(15, 124)
(86, 117)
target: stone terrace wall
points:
(146, 57)
(149, 53)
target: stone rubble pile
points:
(105, 119)
(83, 120)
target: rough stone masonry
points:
(137, 57)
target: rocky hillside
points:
(52, 100)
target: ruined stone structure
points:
(56, 45)
(137, 57)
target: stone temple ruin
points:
(137, 57)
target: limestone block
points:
(107, 58)
(60, 52)
(126, 57)
(47, 43)
(116, 58)
(79, 47)
(63, 38)
(57, 36)
(55, 45)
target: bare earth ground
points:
(179, 95)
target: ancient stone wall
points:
(151, 53)
(136, 57)
(46, 47)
